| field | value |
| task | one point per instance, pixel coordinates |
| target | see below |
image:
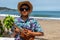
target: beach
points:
(51, 29)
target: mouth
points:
(24, 13)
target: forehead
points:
(24, 6)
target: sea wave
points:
(45, 18)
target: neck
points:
(24, 17)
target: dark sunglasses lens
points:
(26, 9)
(21, 9)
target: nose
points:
(24, 10)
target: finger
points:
(25, 31)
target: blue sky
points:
(38, 5)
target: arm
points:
(37, 29)
(37, 33)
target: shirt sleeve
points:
(37, 26)
(17, 23)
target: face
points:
(24, 10)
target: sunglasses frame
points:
(26, 9)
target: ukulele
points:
(23, 34)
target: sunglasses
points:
(26, 9)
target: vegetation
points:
(1, 29)
(8, 22)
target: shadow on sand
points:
(40, 39)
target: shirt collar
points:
(21, 20)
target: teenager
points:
(30, 26)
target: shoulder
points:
(16, 19)
(32, 20)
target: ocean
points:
(54, 14)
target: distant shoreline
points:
(5, 8)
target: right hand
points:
(17, 30)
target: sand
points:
(51, 29)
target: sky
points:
(38, 5)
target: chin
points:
(24, 15)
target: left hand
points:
(28, 32)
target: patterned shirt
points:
(30, 24)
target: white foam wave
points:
(45, 18)
(8, 14)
